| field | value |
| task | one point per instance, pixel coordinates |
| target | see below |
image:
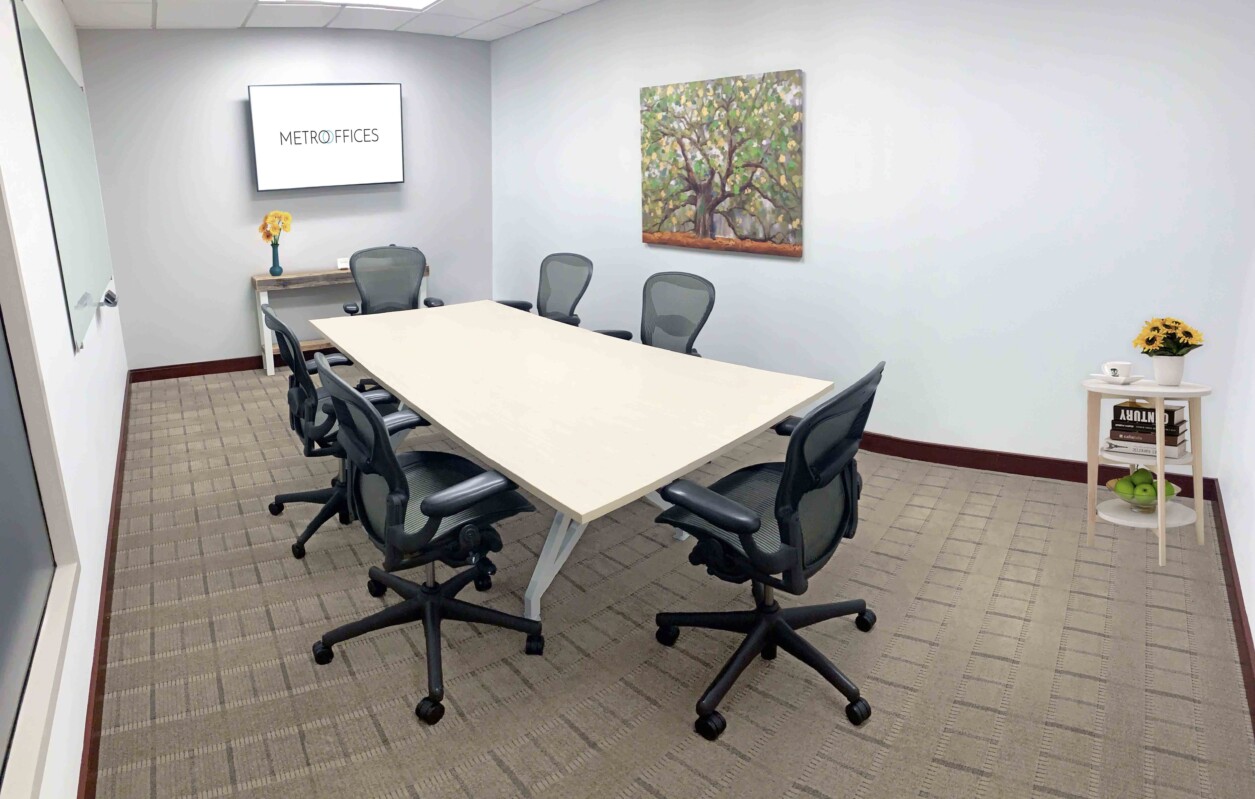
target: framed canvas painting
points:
(721, 164)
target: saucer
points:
(1119, 381)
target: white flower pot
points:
(1169, 369)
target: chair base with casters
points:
(767, 629)
(334, 501)
(431, 603)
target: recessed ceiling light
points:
(405, 5)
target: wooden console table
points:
(309, 279)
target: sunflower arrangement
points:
(275, 224)
(1167, 336)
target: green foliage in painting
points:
(722, 159)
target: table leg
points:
(564, 534)
(1095, 408)
(1196, 465)
(1162, 507)
(267, 338)
(654, 498)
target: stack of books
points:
(1133, 430)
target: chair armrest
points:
(351, 308)
(787, 425)
(626, 335)
(377, 395)
(334, 359)
(433, 302)
(724, 513)
(457, 498)
(522, 305)
(402, 420)
(566, 319)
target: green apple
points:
(1124, 486)
(1145, 492)
(1169, 489)
(1142, 477)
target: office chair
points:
(311, 418)
(674, 309)
(420, 508)
(776, 525)
(388, 279)
(564, 277)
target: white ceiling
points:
(467, 19)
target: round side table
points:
(1169, 513)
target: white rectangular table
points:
(585, 422)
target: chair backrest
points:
(381, 491)
(388, 278)
(676, 307)
(302, 393)
(817, 501)
(564, 277)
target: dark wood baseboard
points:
(100, 655)
(194, 369)
(1237, 607)
(1005, 462)
(245, 364)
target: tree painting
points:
(721, 164)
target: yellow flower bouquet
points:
(272, 227)
(1166, 341)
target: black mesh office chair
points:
(420, 508)
(674, 310)
(311, 418)
(776, 525)
(564, 277)
(388, 279)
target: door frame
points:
(28, 751)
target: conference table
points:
(584, 422)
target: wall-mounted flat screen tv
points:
(326, 134)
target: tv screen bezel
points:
(253, 137)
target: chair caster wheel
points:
(298, 550)
(535, 645)
(429, 711)
(345, 520)
(486, 566)
(376, 588)
(323, 654)
(483, 582)
(769, 651)
(276, 508)
(865, 621)
(667, 634)
(710, 726)
(858, 711)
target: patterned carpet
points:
(1009, 659)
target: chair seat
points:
(754, 487)
(429, 472)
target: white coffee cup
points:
(1117, 370)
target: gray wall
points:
(170, 115)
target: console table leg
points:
(267, 338)
(1196, 465)
(1095, 407)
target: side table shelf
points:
(1170, 512)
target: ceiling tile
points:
(477, 9)
(563, 6)
(291, 15)
(202, 13)
(527, 17)
(376, 19)
(111, 15)
(439, 24)
(489, 31)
